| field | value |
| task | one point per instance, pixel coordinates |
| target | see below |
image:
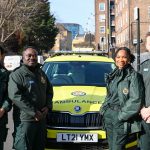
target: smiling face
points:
(30, 57)
(122, 59)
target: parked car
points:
(79, 85)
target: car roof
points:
(76, 56)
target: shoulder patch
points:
(125, 91)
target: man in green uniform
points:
(31, 93)
(145, 111)
(5, 103)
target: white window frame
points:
(149, 12)
(104, 40)
(123, 3)
(120, 5)
(116, 11)
(102, 6)
(102, 29)
(126, 17)
(102, 18)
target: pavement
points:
(9, 141)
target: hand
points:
(145, 113)
(44, 111)
(148, 120)
(2, 111)
(38, 116)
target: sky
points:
(74, 11)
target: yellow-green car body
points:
(75, 117)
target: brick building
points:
(120, 28)
(63, 39)
(104, 24)
(126, 25)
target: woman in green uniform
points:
(123, 102)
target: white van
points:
(13, 61)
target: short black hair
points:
(131, 56)
(28, 46)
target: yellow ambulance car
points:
(78, 80)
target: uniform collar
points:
(119, 72)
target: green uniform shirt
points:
(145, 71)
(5, 102)
(130, 90)
(113, 93)
(29, 91)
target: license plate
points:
(77, 137)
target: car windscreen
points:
(77, 73)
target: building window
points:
(121, 23)
(116, 11)
(149, 12)
(126, 17)
(102, 6)
(122, 3)
(118, 8)
(102, 40)
(102, 29)
(102, 43)
(102, 18)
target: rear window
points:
(77, 73)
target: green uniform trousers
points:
(1, 145)
(116, 136)
(3, 135)
(145, 137)
(29, 135)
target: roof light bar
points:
(63, 52)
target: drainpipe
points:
(129, 24)
(108, 26)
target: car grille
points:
(66, 120)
